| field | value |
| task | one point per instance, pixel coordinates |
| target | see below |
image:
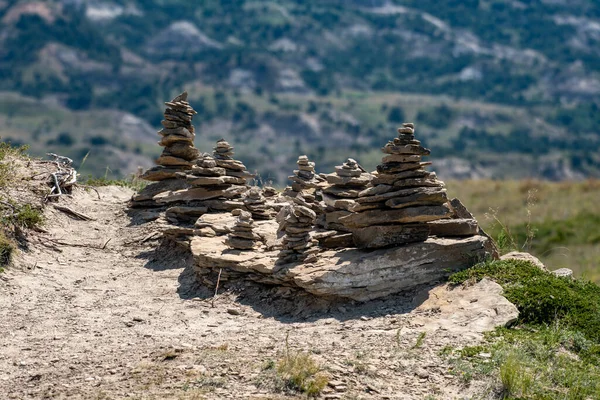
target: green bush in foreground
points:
(541, 297)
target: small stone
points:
(234, 311)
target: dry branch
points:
(73, 213)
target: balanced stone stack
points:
(178, 155)
(215, 181)
(256, 203)
(241, 236)
(296, 221)
(304, 177)
(340, 197)
(403, 200)
(177, 139)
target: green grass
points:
(554, 350)
(130, 182)
(6, 251)
(563, 218)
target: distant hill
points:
(490, 84)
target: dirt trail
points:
(84, 321)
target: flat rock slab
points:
(402, 216)
(350, 273)
(378, 236)
(453, 227)
(466, 310)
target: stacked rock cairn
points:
(296, 221)
(403, 200)
(305, 182)
(178, 155)
(217, 177)
(177, 139)
(340, 197)
(241, 236)
(256, 203)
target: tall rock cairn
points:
(304, 177)
(404, 197)
(177, 139)
(348, 180)
(241, 236)
(296, 221)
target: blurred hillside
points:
(490, 84)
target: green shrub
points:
(301, 373)
(6, 251)
(541, 297)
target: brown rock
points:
(403, 216)
(453, 227)
(378, 236)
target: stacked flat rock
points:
(304, 177)
(404, 197)
(348, 180)
(256, 203)
(216, 180)
(241, 236)
(177, 139)
(296, 221)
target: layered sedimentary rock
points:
(348, 273)
(179, 154)
(256, 203)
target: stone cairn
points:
(177, 139)
(178, 155)
(217, 178)
(256, 203)
(340, 197)
(404, 199)
(241, 236)
(304, 177)
(296, 221)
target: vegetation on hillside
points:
(293, 74)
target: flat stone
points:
(241, 174)
(406, 149)
(187, 211)
(407, 193)
(160, 173)
(198, 194)
(337, 241)
(362, 180)
(342, 192)
(172, 139)
(418, 182)
(241, 244)
(379, 236)
(165, 186)
(341, 171)
(231, 164)
(453, 227)
(389, 179)
(214, 180)
(392, 168)
(396, 158)
(170, 161)
(376, 190)
(182, 150)
(213, 171)
(425, 196)
(403, 215)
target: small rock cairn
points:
(177, 139)
(403, 199)
(217, 177)
(256, 203)
(242, 237)
(304, 177)
(340, 197)
(297, 221)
